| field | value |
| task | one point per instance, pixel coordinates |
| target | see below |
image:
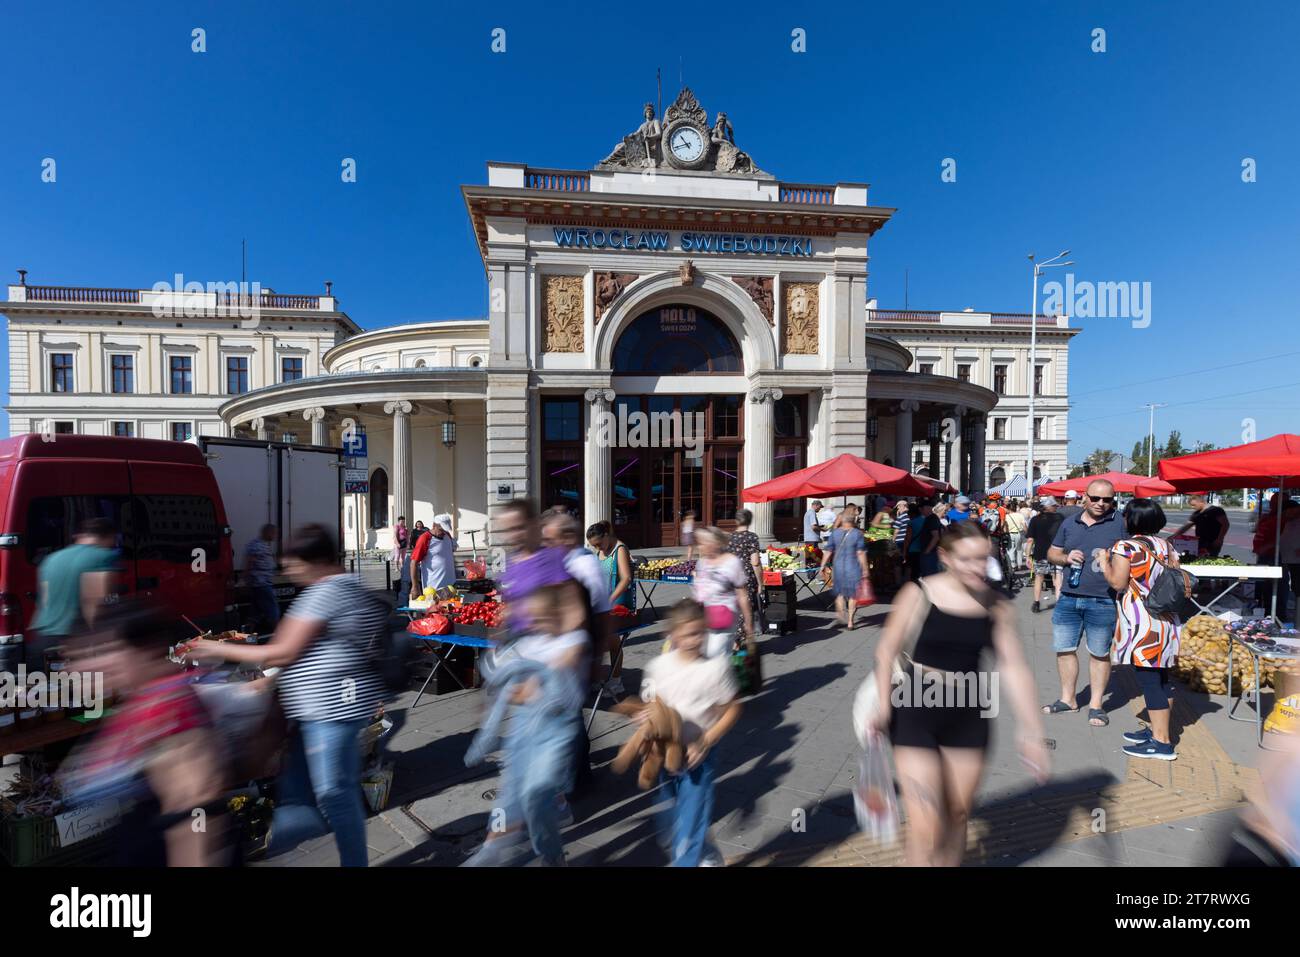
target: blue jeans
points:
(690, 810)
(265, 606)
(319, 790)
(538, 772)
(1075, 615)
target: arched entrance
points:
(674, 454)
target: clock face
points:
(686, 144)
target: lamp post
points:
(1033, 357)
(873, 430)
(1151, 432)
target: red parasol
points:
(1263, 464)
(843, 475)
(1124, 483)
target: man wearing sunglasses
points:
(1086, 608)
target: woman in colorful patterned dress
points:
(744, 545)
(1147, 642)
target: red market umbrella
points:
(939, 486)
(843, 475)
(1264, 464)
(1124, 482)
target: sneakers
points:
(1152, 749)
(1141, 736)
(1035, 608)
(712, 857)
(498, 852)
(563, 813)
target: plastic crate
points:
(27, 841)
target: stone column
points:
(903, 434)
(403, 474)
(263, 428)
(319, 429)
(760, 435)
(597, 482)
(934, 458)
(956, 472)
(978, 470)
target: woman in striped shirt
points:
(329, 688)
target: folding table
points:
(1238, 574)
(456, 641)
(1282, 652)
(622, 634)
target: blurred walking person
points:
(616, 563)
(1039, 534)
(702, 690)
(846, 553)
(329, 688)
(722, 587)
(259, 573)
(951, 620)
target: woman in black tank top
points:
(939, 711)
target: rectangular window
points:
(963, 372)
(927, 368)
(182, 373)
(1038, 380)
(1039, 428)
(561, 420)
(726, 418)
(726, 483)
(123, 374)
(124, 430)
(1000, 380)
(52, 522)
(64, 428)
(236, 375)
(290, 368)
(169, 527)
(999, 428)
(61, 371)
(181, 431)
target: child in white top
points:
(702, 691)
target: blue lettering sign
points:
(660, 241)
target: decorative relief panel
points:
(609, 285)
(562, 316)
(799, 331)
(760, 290)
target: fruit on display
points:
(1207, 560)
(487, 613)
(780, 560)
(665, 568)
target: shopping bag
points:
(747, 668)
(475, 570)
(874, 800)
(430, 625)
(864, 595)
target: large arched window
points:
(677, 340)
(379, 499)
(997, 477)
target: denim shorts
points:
(1074, 615)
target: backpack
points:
(1171, 591)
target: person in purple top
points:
(529, 566)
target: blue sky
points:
(1131, 158)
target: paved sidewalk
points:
(783, 795)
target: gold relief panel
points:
(562, 300)
(799, 331)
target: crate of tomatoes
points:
(477, 619)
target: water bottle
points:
(1076, 574)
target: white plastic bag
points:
(874, 801)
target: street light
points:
(1033, 355)
(1151, 432)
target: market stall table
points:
(456, 641)
(648, 586)
(805, 578)
(1238, 573)
(621, 634)
(1285, 651)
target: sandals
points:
(1096, 714)
(1059, 707)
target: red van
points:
(160, 496)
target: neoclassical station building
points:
(675, 276)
